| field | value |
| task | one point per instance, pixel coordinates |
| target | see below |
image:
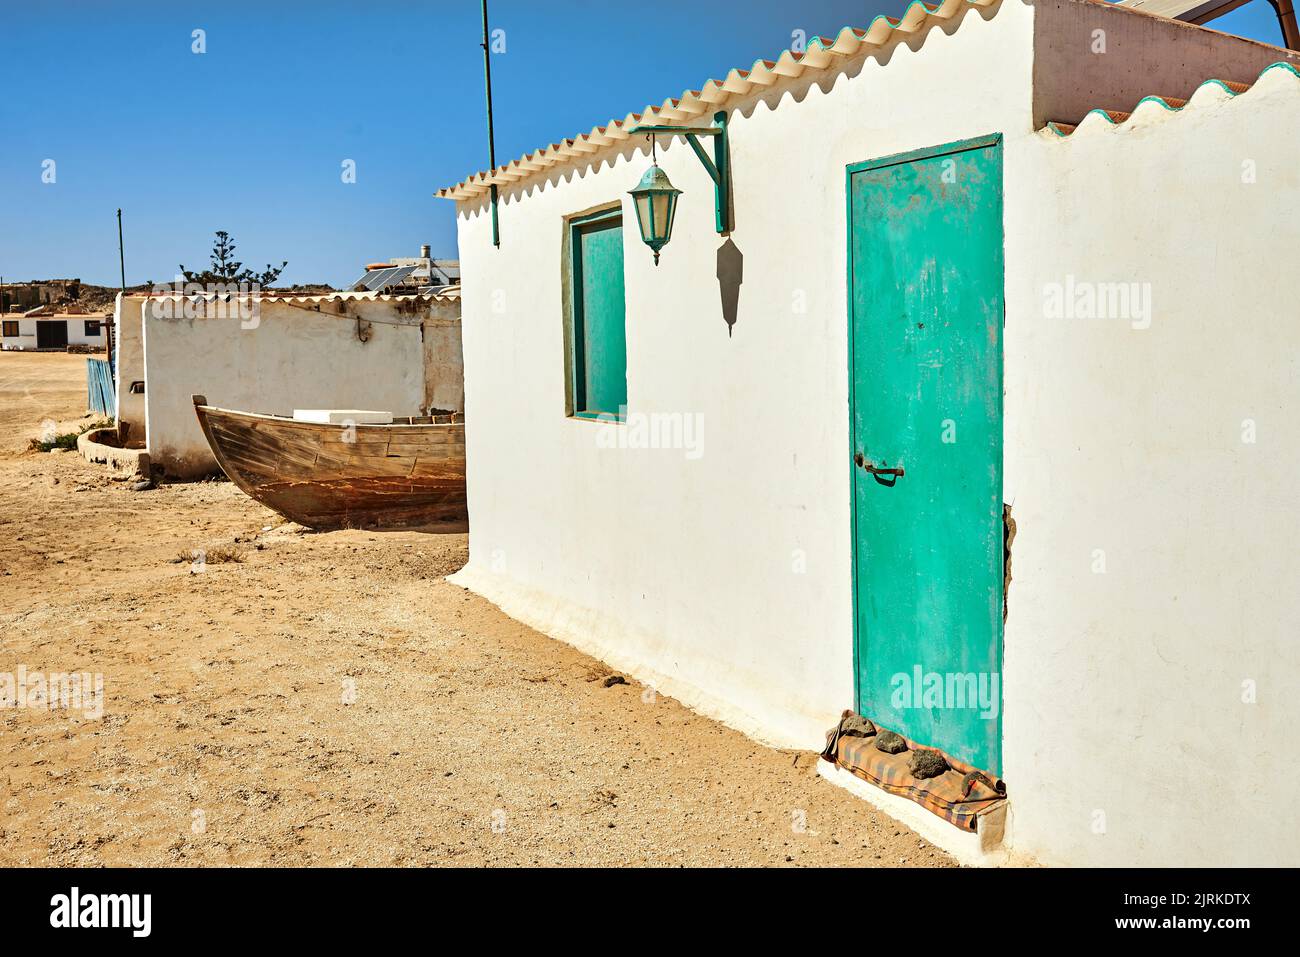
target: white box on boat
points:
(343, 416)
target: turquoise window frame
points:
(577, 398)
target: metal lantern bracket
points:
(718, 168)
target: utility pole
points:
(121, 255)
(121, 262)
(492, 149)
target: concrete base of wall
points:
(984, 848)
(613, 643)
(96, 446)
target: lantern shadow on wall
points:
(731, 273)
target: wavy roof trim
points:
(1113, 118)
(444, 294)
(821, 54)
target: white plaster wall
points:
(26, 338)
(1124, 689)
(444, 362)
(294, 357)
(128, 343)
(77, 333)
(724, 580)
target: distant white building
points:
(46, 327)
(274, 353)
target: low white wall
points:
(291, 357)
(26, 337)
(723, 578)
(1152, 646)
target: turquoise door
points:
(925, 240)
(599, 316)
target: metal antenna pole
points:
(121, 255)
(111, 343)
(492, 149)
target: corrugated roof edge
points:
(445, 293)
(821, 53)
(1064, 130)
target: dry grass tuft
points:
(216, 555)
(222, 554)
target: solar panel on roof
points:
(398, 274)
(377, 280)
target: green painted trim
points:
(1154, 98)
(573, 341)
(928, 152)
(574, 346)
(722, 182)
(718, 168)
(1220, 84)
(656, 128)
(592, 416)
(586, 219)
(709, 166)
(1157, 99)
(1280, 65)
(991, 139)
(852, 372)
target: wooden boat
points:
(410, 473)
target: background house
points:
(274, 353)
(1146, 451)
(53, 327)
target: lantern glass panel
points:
(661, 210)
(643, 218)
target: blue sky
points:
(250, 136)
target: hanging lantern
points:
(656, 202)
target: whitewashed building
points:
(45, 327)
(942, 254)
(272, 353)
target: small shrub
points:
(216, 555)
(221, 554)
(68, 440)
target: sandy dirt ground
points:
(332, 700)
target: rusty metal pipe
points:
(1287, 21)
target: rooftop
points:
(824, 54)
(439, 294)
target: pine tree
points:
(224, 268)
